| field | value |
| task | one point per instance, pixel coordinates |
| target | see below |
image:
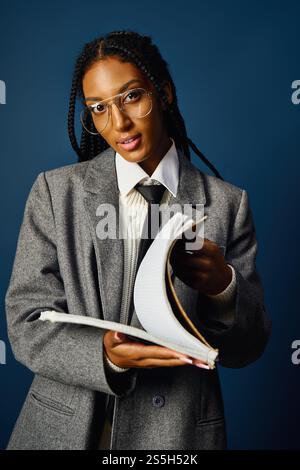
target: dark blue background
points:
(233, 64)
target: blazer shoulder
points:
(222, 190)
(59, 181)
(67, 171)
(216, 184)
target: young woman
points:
(153, 397)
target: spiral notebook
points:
(156, 303)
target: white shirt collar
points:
(166, 172)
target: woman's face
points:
(103, 80)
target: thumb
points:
(119, 336)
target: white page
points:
(201, 352)
(151, 302)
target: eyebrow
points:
(123, 88)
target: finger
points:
(118, 338)
(162, 353)
(194, 243)
(143, 351)
(200, 246)
(200, 364)
(191, 278)
(192, 260)
(150, 362)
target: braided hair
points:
(128, 46)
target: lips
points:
(123, 141)
(132, 144)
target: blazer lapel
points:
(190, 186)
(100, 186)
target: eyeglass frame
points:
(115, 98)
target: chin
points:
(142, 158)
(136, 159)
(138, 156)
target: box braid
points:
(128, 46)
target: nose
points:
(120, 120)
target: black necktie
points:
(153, 195)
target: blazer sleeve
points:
(241, 329)
(71, 354)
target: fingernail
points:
(202, 366)
(119, 335)
(185, 359)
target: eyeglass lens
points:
(135, 103)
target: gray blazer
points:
(61, 264)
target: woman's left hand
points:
(205, 270)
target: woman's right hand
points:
(125, 353)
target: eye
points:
(97, 108)
(133, 95)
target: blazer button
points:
(158, 401)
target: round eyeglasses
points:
(135, 103)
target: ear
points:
(169, 94)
